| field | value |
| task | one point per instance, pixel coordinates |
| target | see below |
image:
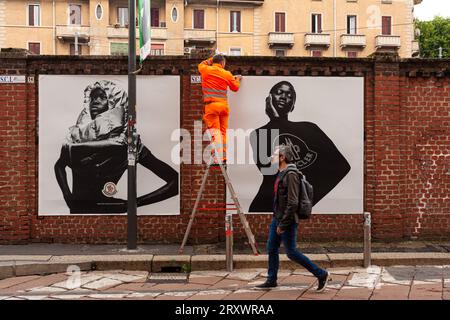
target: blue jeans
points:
(289, 239)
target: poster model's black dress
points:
(315, 155)
(96, 151)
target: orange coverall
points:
(215, 81)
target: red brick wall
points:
(406, 169)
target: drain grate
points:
(168, 277)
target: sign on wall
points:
(83, 144)
(321, 118)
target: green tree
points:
(434, 34)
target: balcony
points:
(353, 40)
(122, 32)
(387, 42)
(317, 40)
(224, 2)
(199, 35)
(281, 39)
(415, 49)
(68, 33)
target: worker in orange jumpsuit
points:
(215, 82)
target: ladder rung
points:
(217, 204)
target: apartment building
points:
(328, 28)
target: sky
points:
(430, 8)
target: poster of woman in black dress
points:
(321, 118)
(315, 154)
(95, 149)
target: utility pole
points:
(132, 135)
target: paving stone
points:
(429, 273)
(176, 295)
(426, 292)
(125, 277)
(143, 295)
(102, 283)
(210, 295)
(347, 293)
(397, 276)
(45, 281)
(284, 293)
(47, 289)
(135, 273)
(221, 274)
(366, 280)
(229, 284)
(10, 282)
(240, 275)
(446, 294)
(75, 283)
(32, 297)
(244, 294)
(107, 295)
(391, 292)
(132, 286)
(178, 287)
(69, 296)
(311, 294)
(204, 280)
(298, 279)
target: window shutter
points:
(386, 26)
(155, 17)
(238, 21)
(31, 15)
(319, 23)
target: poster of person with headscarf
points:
(89, 169)
(320, 118)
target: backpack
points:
(305, 197)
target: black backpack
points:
(305, 198)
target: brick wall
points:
(406, 170)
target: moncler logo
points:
(303, 155)
(109, 189)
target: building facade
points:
(328, 28)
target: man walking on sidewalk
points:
(283, 228)
(215, 82)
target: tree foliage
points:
(434, 34)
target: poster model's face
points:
(83, 145)
(320, 118)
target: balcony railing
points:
(317, 40)
(353, 40)
(122, 32)
(70, 31)
(199, 35)
(281, 38)
(383, 41)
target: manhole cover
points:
(165, 277)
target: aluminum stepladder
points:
(228, 215)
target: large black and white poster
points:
(321, 118)
(83, 144)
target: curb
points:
(14, 266)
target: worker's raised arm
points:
(204, 64)
(233, 81)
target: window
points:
(280, 52)
(72, 49)
(174, 14)
(386, 26)
(351, 25)
(34, 47)
(122, 16)
(199, 19)
(316, 53)
(155, 17)
(34, 15)
(119, 48)
(235, 21)
(352, 54)
(74, 14)
(235, 51)
(157, 49)
(99, 12)
(280, 22)
(316, 20)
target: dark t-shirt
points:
(315, 155)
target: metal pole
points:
(229, 240)
(440, 52)
(367, 239)
(132, 207)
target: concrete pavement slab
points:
(210, 295)
(353, 293)
(244, 294)
(243, 275)
(283, 293)
(208, 262)
(212, 273)
(311, 294)
(391, 292)
(78, 282)
(102, 284)
(229, 284)
(405, 258)
(204, 280)
(10, 282)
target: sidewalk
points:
(41, 259)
